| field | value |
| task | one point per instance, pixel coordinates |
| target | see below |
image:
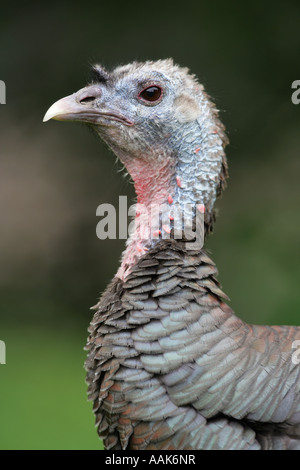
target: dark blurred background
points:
(53, 176)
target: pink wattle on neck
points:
(154, 185)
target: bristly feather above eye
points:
(99, 74)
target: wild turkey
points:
(169, 365)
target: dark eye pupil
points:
(152, 93)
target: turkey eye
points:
(151, 94)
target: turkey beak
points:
(85, 105)
(79, 106)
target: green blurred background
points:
(53, 176)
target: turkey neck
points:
(152, 182)
(183, 171)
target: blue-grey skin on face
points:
(158, 120)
